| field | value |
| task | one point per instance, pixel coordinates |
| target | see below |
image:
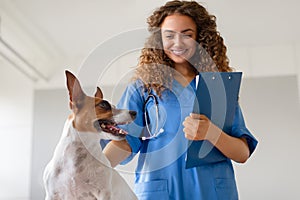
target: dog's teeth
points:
(103, 126)
(120, 131)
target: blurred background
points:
(100, 42)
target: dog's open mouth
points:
(109, 127)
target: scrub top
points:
(161, 172)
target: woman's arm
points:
(117, 151)
(199, 127)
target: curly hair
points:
(156, 70)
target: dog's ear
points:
(75, 92)
(99, 93)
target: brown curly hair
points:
(155, 69)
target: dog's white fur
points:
(91, 178)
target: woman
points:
(183, 41)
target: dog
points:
(79, 170)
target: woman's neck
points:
(186, 73)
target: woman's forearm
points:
(199, 127)
(117, 151)
(234, 148)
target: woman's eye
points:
(169, 36)
(187, 35)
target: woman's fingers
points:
(196, 126)
(191, 123)
(198, 116)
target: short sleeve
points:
(240, 130)
(132, 99)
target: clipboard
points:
(216, 97)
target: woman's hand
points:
(117, 151)
(199, 127)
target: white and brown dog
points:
(79, 169)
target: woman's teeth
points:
(178, 52)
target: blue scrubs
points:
(161, 173)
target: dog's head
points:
(94, 114)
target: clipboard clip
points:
(214, 77)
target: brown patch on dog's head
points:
(85, 108)
(94, 114)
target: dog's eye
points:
(104, 105)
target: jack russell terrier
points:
(79, 169)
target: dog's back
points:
(79, 170)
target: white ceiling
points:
(53, 34)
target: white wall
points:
(271, 110)
(16, 106)
(267, 60)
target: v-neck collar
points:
(179, 89)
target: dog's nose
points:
(132, 113)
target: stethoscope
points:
(157, 131)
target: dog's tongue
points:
(116, 129)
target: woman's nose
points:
(177, 39)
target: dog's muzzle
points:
(109, 127)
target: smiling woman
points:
(183, 42)
(187, 35)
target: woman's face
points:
(179, 37)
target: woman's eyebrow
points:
(168, 31)
(186, 30)
(183, 31)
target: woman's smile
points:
(179, 52)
